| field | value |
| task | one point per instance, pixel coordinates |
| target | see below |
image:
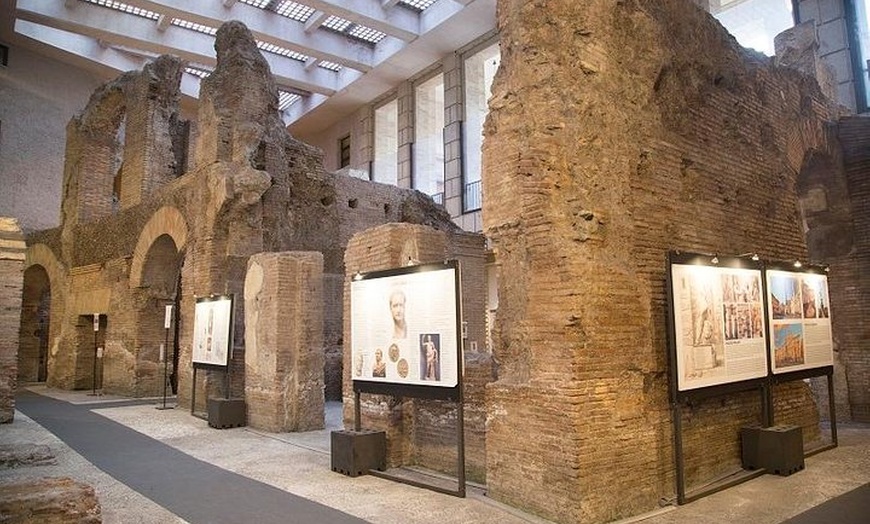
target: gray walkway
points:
(296, 466)
(193, 489)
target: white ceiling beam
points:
(90, 49)
(163, 23)
(269, 27)
(302, 107)
(137, 32)
(403, 24)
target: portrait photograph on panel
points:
(404, 328)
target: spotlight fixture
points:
(797, 263)
(357, 276)
(827, 269)
(755, 257)
(715, 259)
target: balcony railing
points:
(471, 199)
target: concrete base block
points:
(777, 449)
(226, 412)
(354, 453)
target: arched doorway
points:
(160, 287)
(35, 321)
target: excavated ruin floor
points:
(156, 466)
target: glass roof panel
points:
(283, 51)
(118, 6)
(332, 66)
(292, 10)
(286, 99)
(348, 28)
(201, 73)
(257, 3)
(336, 23)
(193, 26)
(366, 33)
(420, 5)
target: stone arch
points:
(166, 221)
(42, 255)
(155, 280)
(41, 313)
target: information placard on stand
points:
(740, 324)
(406, 340)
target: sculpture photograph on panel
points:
(404, 327)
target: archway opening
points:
(35, 322)
(157, 347)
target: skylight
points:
(287, 99)
(420, 5)
(124, 8)
(332, 66)
(283, 51)
(348, 28)
(257, 3)
(292, 10)
(193, 26)
(196, 71)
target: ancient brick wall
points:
(134, 220)
(849, 258)
(619, 131)
(284, 341)
(11, 276)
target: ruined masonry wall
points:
(421, 432)
(619, 131)
(11, 275)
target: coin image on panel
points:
(394, 352)
(402, 368)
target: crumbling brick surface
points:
(619, 131)
(11, 264)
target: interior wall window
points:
(754, 23)
(479, 72)
(344, 152)
(860, 34)
(385, 167)
(428, 158)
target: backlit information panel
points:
(800, 321)
(719, 325)
(404, 327)
(211, 330)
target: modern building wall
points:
(39, 96)
(829, 17)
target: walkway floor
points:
(154, 466)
